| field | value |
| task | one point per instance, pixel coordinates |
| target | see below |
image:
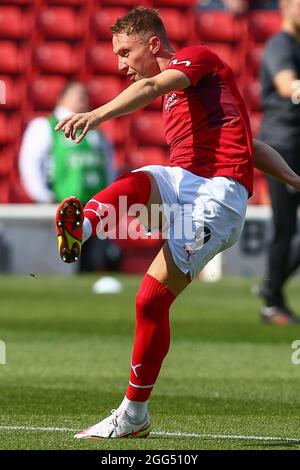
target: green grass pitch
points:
(68, 355)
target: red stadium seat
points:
(17, 2)
(67, 2)
(5, 135)
(125, 3)
(255, 54)
(13, 91)
(13, 24)
(252, 96)
(44, 92)
(263, 24)
(255, 121)
(218, 26)
(60, 23)
(120, 159)
(176, 24)
(7, 154)
(12, 61)
(102, 59)
(147, 128)
(104, 18)
(58, 58)
(226, 53)
(31, 114)
(4, 190)
(117, 130)
(261, 189)
(149, 156)
(17, 193)
(174, 3)
(104, 89)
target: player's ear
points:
(154, 42)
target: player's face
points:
(135, 56)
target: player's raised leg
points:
(75, 224)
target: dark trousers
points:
(99, 255)
(282, 259)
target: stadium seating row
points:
(45, 43)
(69, 24)
(99, 3)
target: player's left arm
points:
(136, 96)
(269, 161)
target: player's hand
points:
(71, 124)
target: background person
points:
(280, 128)
(53, 168)
(239, 7)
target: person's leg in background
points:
(294, 261)
(100, 255)
(279, 263)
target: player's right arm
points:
(136, 96)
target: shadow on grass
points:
(281, 442)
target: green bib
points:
(77, 169)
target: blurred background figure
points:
(239, 7)
(53, 168)
(280, 71)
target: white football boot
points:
(117, 425)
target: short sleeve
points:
(195, 62)
(279, 56)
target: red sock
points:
(152, 337)
(135, 186)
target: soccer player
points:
(208, 180)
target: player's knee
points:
(146, 302)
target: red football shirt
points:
(206, 124)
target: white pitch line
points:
(165, 434)
(33, 428)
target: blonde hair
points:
(141, 21)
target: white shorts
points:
(215, 208)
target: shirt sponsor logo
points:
(171, 100)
